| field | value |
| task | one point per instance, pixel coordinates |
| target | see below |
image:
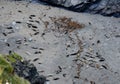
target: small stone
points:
(35, 59)
(92, 82)
(30, 39)
(8, 44)
(56, 78)
(28, 53)
(64, 75)
(47, 82)
(9, 27)
(19, 11)
(90, 49)
(19, 41)
(34, 47)
(98, 41)
(37, 52)
(18, 22)
(102, 59)
(97, 66)
(4, 34)
(17, 28)
(117, 36)
(36, 33)
(13, 23)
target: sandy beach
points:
(65, 46)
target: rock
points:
(28, 71)
(103, 7)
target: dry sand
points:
(87, 55)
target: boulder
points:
(28, 71)
(103, 7)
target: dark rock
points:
(28, 71)
(38, 80)
(103, 7)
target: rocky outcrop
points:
(29, 72)
(104, 7)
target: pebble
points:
(19, 41)
(4, 34)
(9, 27)
(34, 26)
(47, 82)
(34, 47)
(117, 36)
(8, 44)
(37, 52)
(28, 53)
(18, 22)
(3, 40)
(13, 23)
(17, 28)
(30, 39)
(92, 82)
(102, 59)
(35, 59)
(36, 33)
(56, 78)
(104, 67)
